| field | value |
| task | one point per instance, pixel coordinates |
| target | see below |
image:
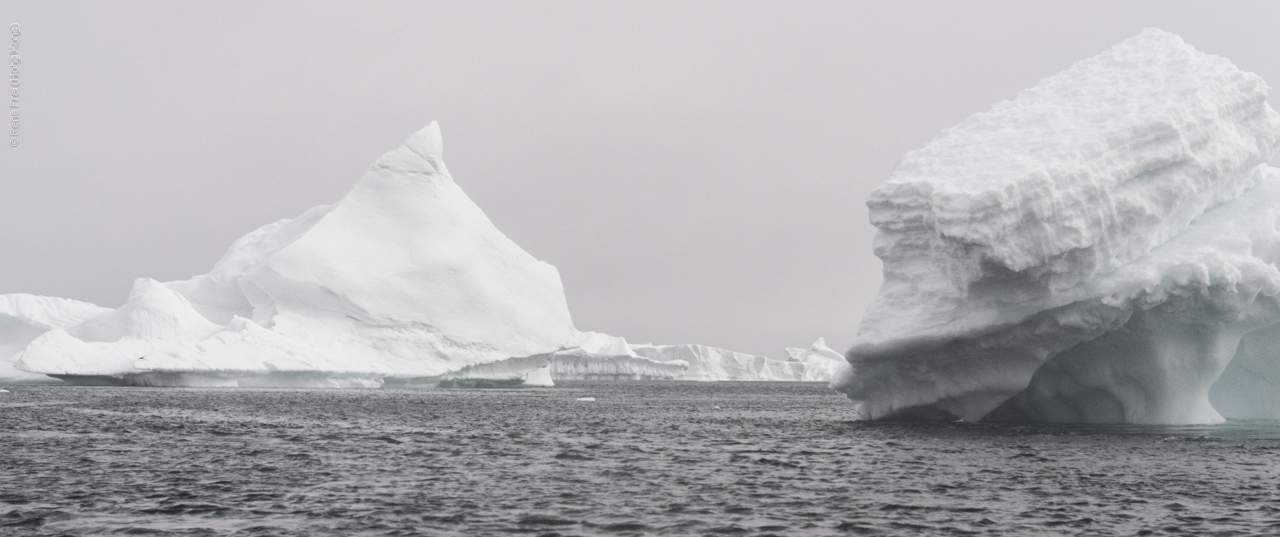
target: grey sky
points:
(696, 170)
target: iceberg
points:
(599, 356)
(1102, 248)
(714, 364)
(404, 280)
(821, 362)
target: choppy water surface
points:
(643, 458)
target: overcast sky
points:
(696, 170)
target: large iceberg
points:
(404, 278)
(597, 356)
(402, 283)
(1093, 250)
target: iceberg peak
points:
(422, 154)
(427, 143)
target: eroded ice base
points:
(1152, 370)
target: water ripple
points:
(643, 458)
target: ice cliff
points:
(711, 363)
(601, 357)
(821, 362)
(1093, 250)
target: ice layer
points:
(1093, 250)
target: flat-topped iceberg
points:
(602, 357)
(711, 363)
(1092, 250)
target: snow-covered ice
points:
(711, 363)
(821, 362)
(23, 318)
(1091, 251)
(597, 356)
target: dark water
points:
(642, 459)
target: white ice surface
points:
(404, 277)
(710, 363)
(23, 318)
(1091, 250)
(599, 356)
(821, 362)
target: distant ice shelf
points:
(1102, 248)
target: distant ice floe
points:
(604, 357)
(404, 282)
(1101, 248)
(601, 357)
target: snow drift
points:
(1093, 250)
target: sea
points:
(601, 458)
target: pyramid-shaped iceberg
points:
(404, 278)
